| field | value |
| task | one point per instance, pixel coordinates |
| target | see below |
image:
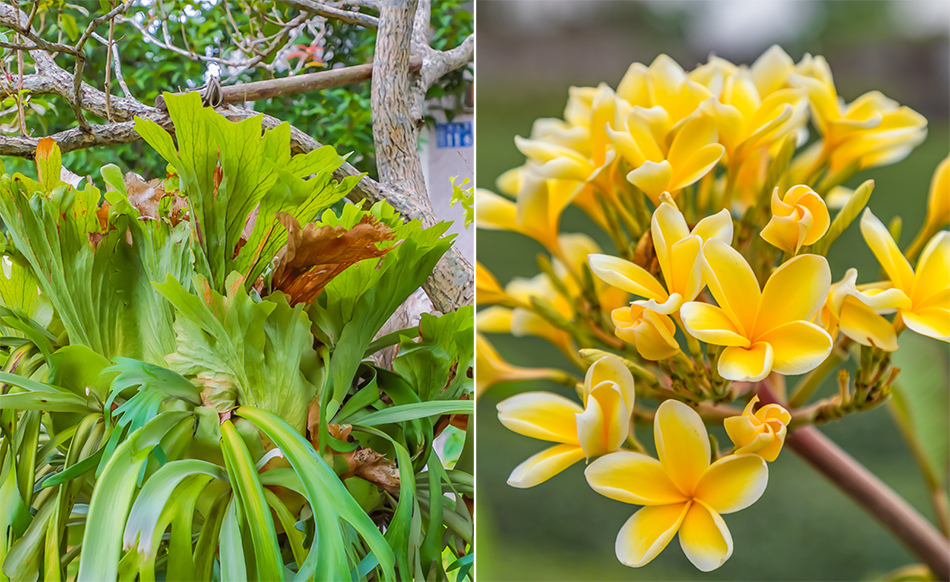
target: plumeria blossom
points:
(665, 84)
(487, 288)
(678, 254)
(799, 218)
(871, 131)
(642, 141)
(762, 330)
(599, 428)
(927, 288)
(938, 202)
(652, 333)
(681, 492)
(761, 432)
(491, 368)
(856, 312)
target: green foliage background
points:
(338, 116)
(802, 528)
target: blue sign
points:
(457, 134)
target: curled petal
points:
(653, 178)
(544, 465)
(632, 478)
(541, 415)
(717, 226)
(652, 333)
(604, 424)
(704, 537)
(682, 444)
(648, 532)
(750, 364)
(611, 369)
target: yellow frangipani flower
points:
(642, 141)
(663, 84)
(491, 368)
(799, 218)
(682, 492)
(678, 253)
(855, 312)
(761, 432)
(599, 428)
(762, 330)
(650, 332)
(536, 213)
(938, 203)
(928, 289)
(872, 131)
(525, 322)
(487, 289)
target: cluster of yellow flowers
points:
(717, 201)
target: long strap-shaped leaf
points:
(112, 497)
(150, 502)
(404, 412)
(251, 502)
(329, 498)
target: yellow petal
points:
(938, 202)
(732, 283)
(784, 233)
(933, 269)
(692, 137)
(795, 291)
(668, 227)
(556, 161)
(711, 324)
(648, 532)
(718, 226)
(797, 347)
(733, 482)
(652, 178)
(704, 537)
(685, 275)
(740, 429)
(682, 444)
(604, 424)
(541, 415)
(860, 323)
(807, 198)
(696, 166)
(652, 333)
(746, 364)
(628, 276)
(932, 322)
(771, 69)
(632, 478)
(494, 320)
(544, 465)
(611, 369)
(487, 289)
(494, 212)
(886, 251)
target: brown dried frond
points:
(316, 254)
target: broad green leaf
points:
(46, 401)
(437, 365)
(252, 504)
(112, 498)
(329, 500)
(233, 564)
(920, 403)
(23, 562)
(135, 373)
(49, 163)
(405, 412)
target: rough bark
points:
(395, 133)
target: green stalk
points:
(807, 386)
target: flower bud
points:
(799, 218)
(650, 332)
(761, 433)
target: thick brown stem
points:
(917, 534)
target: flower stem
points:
(917, 534)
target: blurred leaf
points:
(921, 401)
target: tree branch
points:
(348, 16)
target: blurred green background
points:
(529, 53)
